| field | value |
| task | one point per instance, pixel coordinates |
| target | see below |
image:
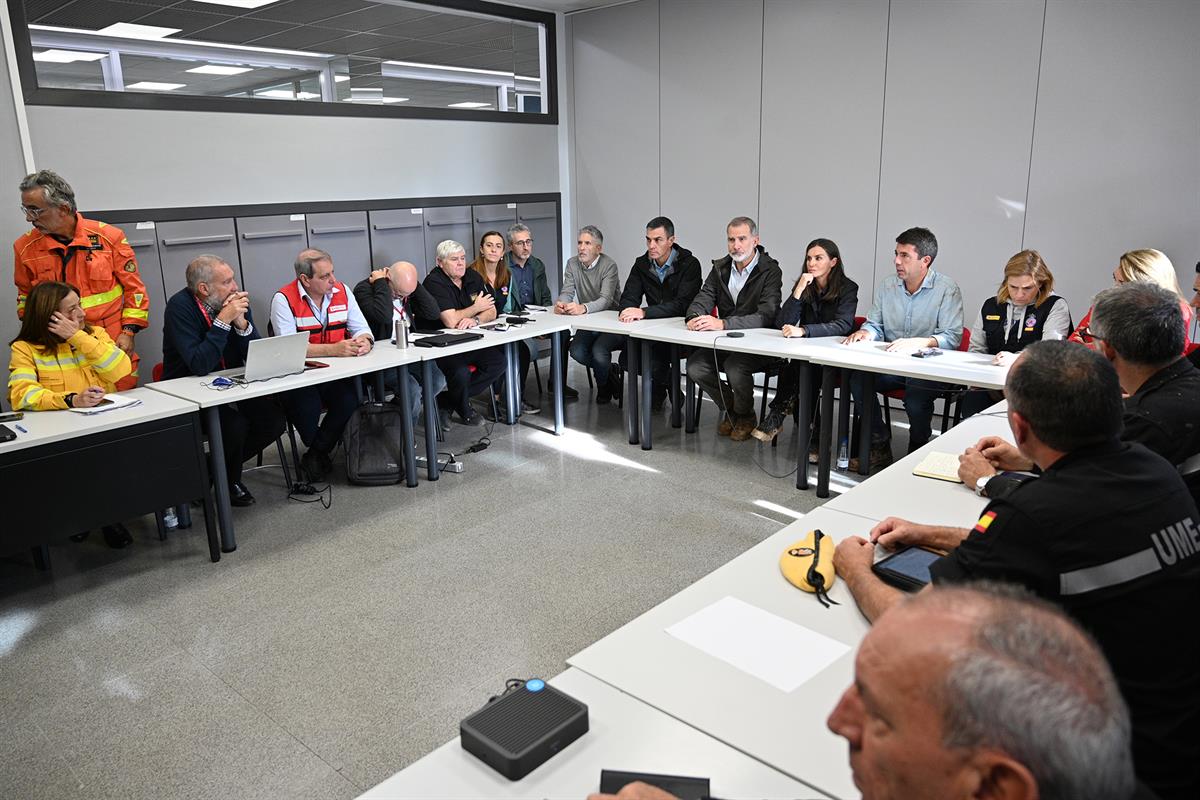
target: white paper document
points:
(111, 402)
(767, 646)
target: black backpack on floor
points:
(374, 445)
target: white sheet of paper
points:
(762, 644)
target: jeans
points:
(412, 373)
(919, 395)
(594, 349)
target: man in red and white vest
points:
(320, 305)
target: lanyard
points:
(207, 318)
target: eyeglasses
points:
(33, 212)
(523, 243)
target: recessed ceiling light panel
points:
(129, 30)
(155, 86)
(218, 69)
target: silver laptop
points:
(273, 357)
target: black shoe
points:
(239, 495)
(616, 379)
(472, 418)
(569, 392)
(604, 392)
(312, 466)
(116, 536)
(444, 419)
(79, 537)
(881, 456)
(658, 397)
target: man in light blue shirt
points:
(919, 307)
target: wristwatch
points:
(130, 329)
(981, 485)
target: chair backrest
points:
(965, 341)
(858, 323)
(156, 373)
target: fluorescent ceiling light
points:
(469, 104)
(218, 69)
(66, 56)
(419, 65)
(286, 94)
(239, 3)
(362, 89)
(374, 99)
(155, 86)
(395, 99)
(131, 30)
(341, 78)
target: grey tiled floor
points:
(336, 646)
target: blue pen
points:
(18, 427)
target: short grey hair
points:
(513, 230)
(57, 191)
(1141, 321)
(1032, 684)
(200, 270)
(739, 221)
(592, 231)
(308, 257)
(447, 248)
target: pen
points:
(21, 429)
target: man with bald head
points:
(978, 692)
(389, 295)
(208, 326)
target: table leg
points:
(380, 389)
(406, 427)
(689, 406)
(805, 423)
(512, 375)
(843, 430)
(676, 420)
(558, 368)
(633, 357)
(826, 433)
(646, 391)
(41, 557)
(210, 510)
(866, 418)
(431, 419)
(216, 445)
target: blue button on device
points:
(535, 685)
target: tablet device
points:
(7, 434)
(908, 568)
(612, 781)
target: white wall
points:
(12, 225)
(1069, 126)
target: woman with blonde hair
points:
(1024, 310)
(1150, 266)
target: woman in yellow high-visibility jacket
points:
(59, 361)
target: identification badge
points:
(991, 317)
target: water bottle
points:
(843, 459)
(170, 521)
(402, 334)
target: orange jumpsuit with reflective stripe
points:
(100, 261)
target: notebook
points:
(943, 466)
(111, 402)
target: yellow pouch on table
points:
(808, 565)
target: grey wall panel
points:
(343, 234)
(181, 158)
(268, 248)
(449, 222)
(542, 220)
(497, 217)
(148, 343)
(709, 113)
(617, 124)
(180, 242)
(1115, 163)
(822, 127)
(399, 235)
(958, 124)
(12, 170)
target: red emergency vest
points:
(334, 329)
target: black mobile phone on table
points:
(907, 569)
(7, 434)
(11, 416)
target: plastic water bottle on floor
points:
(170, 521)
(843, 459)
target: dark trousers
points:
(248, 426)
(787, 387)
(303, 407)
(462, 384)
(660, 358)
(704, 366)
(976, 400)
(918, 405)
(594, 349)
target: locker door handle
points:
(395, 226)
(198, 240)
(493, 219)
(544, 216)
(343, 229)
(433, 224)
(271, 234)
(145, 243)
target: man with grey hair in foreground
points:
(591, 284)
(979, 691)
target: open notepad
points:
(943, 466)
(111, 402)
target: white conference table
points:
(624, 734)
(155, 447)
(785, 730)
(896, 492)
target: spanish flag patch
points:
(985, 521)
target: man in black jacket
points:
(667, 276)
(208, 326)
(742, 291)
(394, 294)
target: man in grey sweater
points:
(591, 284)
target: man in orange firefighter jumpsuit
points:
(94, 257)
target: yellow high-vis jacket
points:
(40, 380)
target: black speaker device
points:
(523, 728)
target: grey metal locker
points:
(148, 343)
(497, 217)
(343, 235)
(542, 220)
(398, 234)
(449, 222)
(268, 247)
